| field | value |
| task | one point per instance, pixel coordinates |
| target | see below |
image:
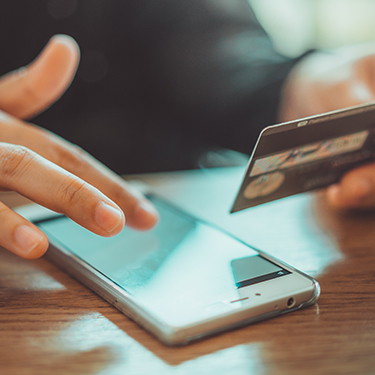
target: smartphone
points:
(183, 280)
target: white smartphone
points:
(182, 280)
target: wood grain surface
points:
(51, 324)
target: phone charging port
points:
(291, 302)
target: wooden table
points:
(51, 324)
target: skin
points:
(64, 178)
(51, 171)
(325, 82)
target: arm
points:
(213, 64)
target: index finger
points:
(356, 189)
(45, 183)
(139, 212)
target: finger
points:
(364, 78)
(30, 90)
(38, 179)
(325, 82)
(356, 189)
(139, 212)
(352, 84)
(19, 236)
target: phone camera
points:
(291, 302)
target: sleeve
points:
(213, 62)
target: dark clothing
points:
(160, 81)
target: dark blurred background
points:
(163, 82)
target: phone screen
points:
(180, 268)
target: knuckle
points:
(70, 156)
(69, 194)
(15, 160)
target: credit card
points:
(307, 154)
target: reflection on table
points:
(50, 323)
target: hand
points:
(324, 82)
(50, 170)
(356, 189)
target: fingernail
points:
(66, 40)
(27, 238)
(108, 217)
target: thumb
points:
(28, 91)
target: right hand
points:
(323, 82)
(327, 81)
(51, 171)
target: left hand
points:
(323, 82)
